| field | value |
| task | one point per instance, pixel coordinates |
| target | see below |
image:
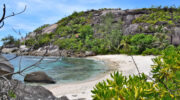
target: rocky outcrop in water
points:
(38, 77)
(5, 67)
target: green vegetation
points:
(153, 18)
(143, 44)
(74, 16)
(11, 94)
(166, 15)
(80, 32)
(10, 40)
(75, 33)
(39, 41)
(164, 86)
(81, 37)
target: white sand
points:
(122, 63)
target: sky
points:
(40, 12)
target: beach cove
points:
(121, 63)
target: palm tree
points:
(162, 40)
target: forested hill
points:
(108, 31)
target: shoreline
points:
(78, 88)
(121, 63)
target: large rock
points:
(136, 11)
(31, 34)
(52, 50)
(5, 67)
(129, 19)
(10, 46)
(64, 98)
(38, 77)
(49, 29)
(131, 29)
(79, 54)
(25, 92)
(9, 50)
(23, 48)
(176, 36)
(90, 53)
(66, 53)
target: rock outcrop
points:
(127, 16)
(5, 67)
(25, 92)
(129, 27)
(9, 50)
(49, 29)
(176, 36)
(90, 53)
(23, 48)
(38, 77)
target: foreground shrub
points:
(164, 86)
(166, 71)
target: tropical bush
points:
(153, 51)
(143, 44)
(39, 41)
(165, 84)
(166, 72)
(30, 42)
(69, 44)
(10, 40)
(168, 15)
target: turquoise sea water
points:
(62, 70)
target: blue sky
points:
(41, 12)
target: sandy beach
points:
(121, 63)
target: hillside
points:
(108, 31)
